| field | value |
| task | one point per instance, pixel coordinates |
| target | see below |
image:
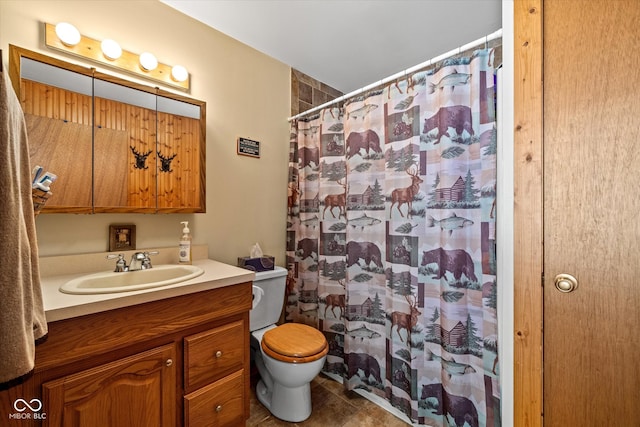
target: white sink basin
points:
(111, 282)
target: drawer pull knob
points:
(169, 362)
(218, 408)
(218, 354)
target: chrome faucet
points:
(136, 262)
(139, 261)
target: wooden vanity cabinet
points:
(173, 362)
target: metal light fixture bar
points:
(130, 62)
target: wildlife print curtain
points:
(391, 241)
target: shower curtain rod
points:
(495, 35)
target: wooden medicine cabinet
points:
(115, 145)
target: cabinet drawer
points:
(218, 404)
(213, 354)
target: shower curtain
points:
(391, 241)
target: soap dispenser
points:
(184, 252)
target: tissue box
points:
(262, 263)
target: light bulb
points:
(179, 73)
(148, 61)
(111, 49)
(68, 34)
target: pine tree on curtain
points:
(391, 241)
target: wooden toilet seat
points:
(294, 343)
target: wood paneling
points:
(179, 136)
(49, 101)
(528, 226)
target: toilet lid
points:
(295, 343)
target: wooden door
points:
(592, 212)
(137, 391)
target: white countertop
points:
(58, 305)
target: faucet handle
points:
(121, 264)
(146, 262)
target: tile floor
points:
(332, 406)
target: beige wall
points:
(247, 94)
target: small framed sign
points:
(248, 147)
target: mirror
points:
(58, 112)
(180, 157)
(115, 145)
(124, 147)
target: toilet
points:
(288, 356)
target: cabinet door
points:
(180, 156)
(139, 391)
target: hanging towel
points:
(22, 318)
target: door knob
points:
(566, 283)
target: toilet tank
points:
(268, 291)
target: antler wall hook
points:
(165, 165)
(141, 159)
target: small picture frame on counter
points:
(122, 237)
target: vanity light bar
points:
(127, 61)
